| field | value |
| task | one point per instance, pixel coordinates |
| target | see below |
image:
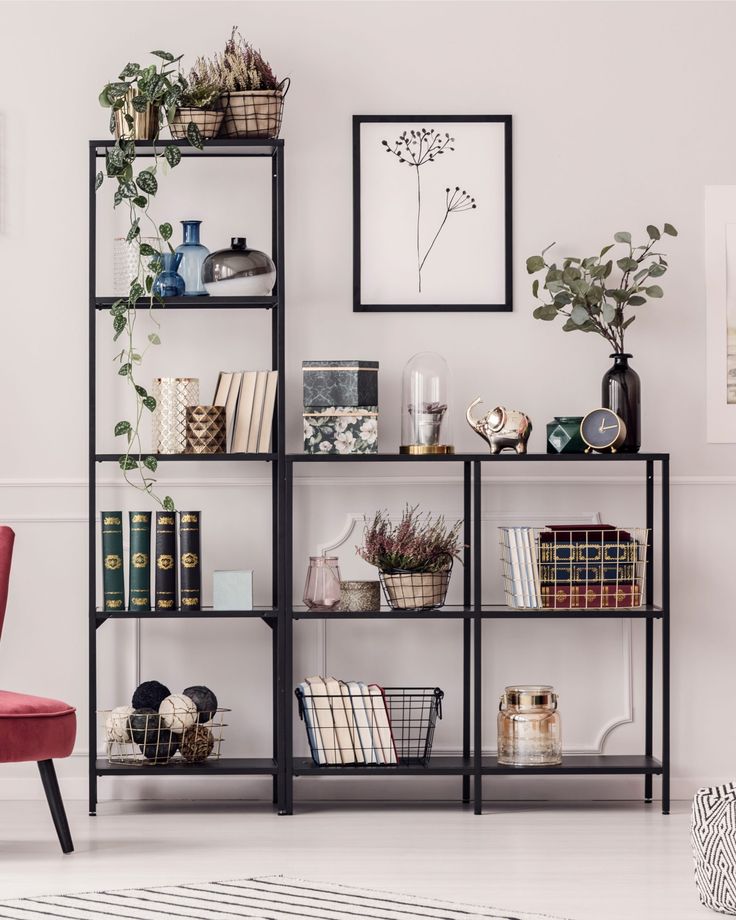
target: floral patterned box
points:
(341, 430)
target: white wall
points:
(621, 117)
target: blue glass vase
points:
(169, 283)
(193, 254)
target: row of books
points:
(347, 722)
(249, 398)
(572, 566)
(178, 574)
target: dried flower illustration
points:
(416, 149)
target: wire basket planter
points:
(370, 725)
(415, 590)
(149, 739)
(574, 567)
(253, 113)
(207, 121)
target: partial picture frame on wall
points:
(432, 213)
(720, 268)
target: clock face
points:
(602, 429)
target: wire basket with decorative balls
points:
(161, 726)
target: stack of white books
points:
(347, 722)
(521, 567)
(249, 398)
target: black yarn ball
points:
(145, 724)
(150, 695)
(162, 747)
(205, 701)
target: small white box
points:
(232, 590)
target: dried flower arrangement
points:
(418, 543)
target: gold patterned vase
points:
(172, 395)
(206, 430)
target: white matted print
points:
(432, 212)
(720, 265)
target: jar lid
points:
(322, 560)
(530, 695)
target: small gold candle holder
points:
(206, 430)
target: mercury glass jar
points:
(322, 587)
(529, 727)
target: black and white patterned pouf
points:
(714, 846)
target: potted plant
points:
(198, 105)
(143, 97)
(583, 292)
(252, 99)
(414, 557)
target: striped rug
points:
(270, 898)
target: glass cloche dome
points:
(426, 423)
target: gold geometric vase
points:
(206, 430)
(172, 395)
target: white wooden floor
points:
(618, 861)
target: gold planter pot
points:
(206, 430)
(145, 123)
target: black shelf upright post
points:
(467, 600)
(666, 635)
(477, 637)
(92, 485)
(649, 649)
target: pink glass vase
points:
(322, 587)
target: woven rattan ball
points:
(178, 713)
(197, 744)
(149, 695)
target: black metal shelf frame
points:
(274, 150)
(472, 762)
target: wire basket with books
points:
(351, 723)
(147, 738)
(574, 566)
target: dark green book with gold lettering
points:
(190, 574)
(113, 585)
(139, 570)
(165, 560)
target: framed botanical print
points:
(432, 213)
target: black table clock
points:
(603, 430)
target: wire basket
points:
(150, 739)
(415, 590)
(253, 113)
(367, 725)
(208, 122)
(574, 567)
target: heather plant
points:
(239, 68)
(417, 543)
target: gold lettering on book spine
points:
(165, 562)
(190, 560)
(139, 560)
(110, 520)
(189, 518)
(164, 605)
(190, 602)
(166, 520)
(113, 562)
(141, 518)
(113, 605)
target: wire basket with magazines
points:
(147, 738)
(350, 723)
(574, 566)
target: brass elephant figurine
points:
(502, 428)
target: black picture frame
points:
(358, 305)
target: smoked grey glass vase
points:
(239, 271)
(621, 393)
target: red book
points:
(590, 597)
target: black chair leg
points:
(53, 797)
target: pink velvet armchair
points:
(32, 727)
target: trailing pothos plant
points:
(161, 86)
(582, 291)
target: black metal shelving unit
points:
(473, 613)
(227, 766)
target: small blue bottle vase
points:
(169, 283)
(193, 254)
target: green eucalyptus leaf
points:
(606, 249)
(150, 463)
(535, 288)
(147, 183)
(125, 369)
(547, 311)
(654, 290)
(128, 463)
(579, 315)
(627, 264)
(534, 264)
(194, 136)
(656, 270)
(570, 326)
(654, 234)
(670, 230)
(166, 231)
(173, 156)
(168, 504)
(608, 312)
(636, 301)
(623, 236)
(562, 299)
(628, 322)
(122, 428)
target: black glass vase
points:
(621, 394)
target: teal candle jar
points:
(563, 435)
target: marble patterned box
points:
(341, 430)
(340, 383)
